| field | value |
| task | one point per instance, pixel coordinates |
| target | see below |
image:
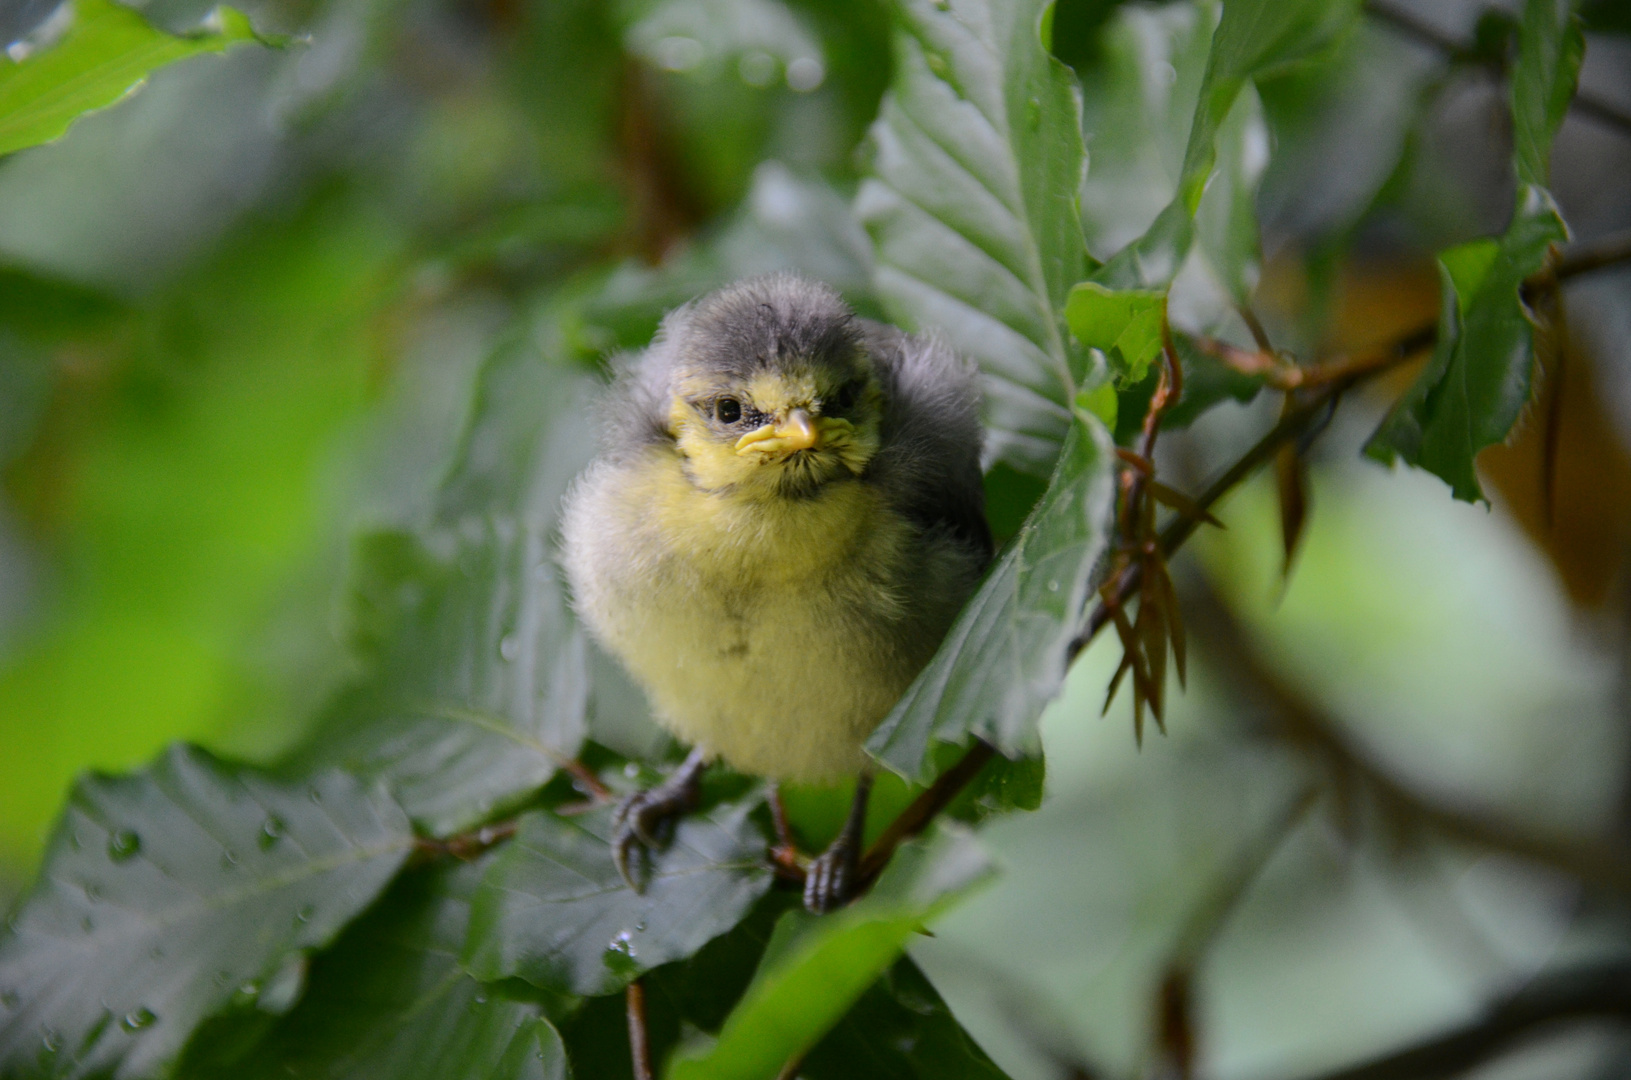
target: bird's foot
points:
(833, 878)
(830, 879)
(646, 819)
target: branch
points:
(1306, 726)
(1599, 254)
(1583, 102)
(1589, 992)
(639, 1041)
(1301, 420)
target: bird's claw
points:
(646, 819)
(829, 882)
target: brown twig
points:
(946, 787)
(1588, 992)
(1599, 254)
(467, 845)
(639, 1040)
(916, 817)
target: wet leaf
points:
(479, 680)
(816, 967)
(971, 203)
(553, 909)
(1004, 658)
(173, 894)
(390, 1001)
(105, 54)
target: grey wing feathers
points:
(930, 458)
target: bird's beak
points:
(797, 432)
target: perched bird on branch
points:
(785, 519)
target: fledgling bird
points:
(785, 518)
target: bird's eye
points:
(844, 400)
(728, 409)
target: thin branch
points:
(1306, 726)
(1583, 102)
(916, 817)
(1293, 425)
(1588, 992)
(467, 845)
(1599, 254)
(639, 1040)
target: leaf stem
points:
(639, 1040)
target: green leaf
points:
(105, 54)
(1474, 388)
(1550, 50)
(171, 894)
(816, 967)
(1125, 326)
(390, 1001)
(554, 910)
(479, 676)
(971, 203)
(900, 1028)
(1004, 658)
(1254, 38)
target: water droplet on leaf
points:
(138, 1019)
(619, 956)
(509, 647)
(271, 832)
(123, 844)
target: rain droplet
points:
(304, 914)
(481, 999)
(271, 832)
(229, 859)
(640, 927)
(314, 795)
(632, 770)
(1033, 113)
(619, 955)
(247, 991)
(52, 1041)
(123, 844)
(509, 647)
(93, 892)
(73, 839)
(138, 1019)
(1053, 585)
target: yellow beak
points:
(797, 432)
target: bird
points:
(785, 517)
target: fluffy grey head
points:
(777, 323)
